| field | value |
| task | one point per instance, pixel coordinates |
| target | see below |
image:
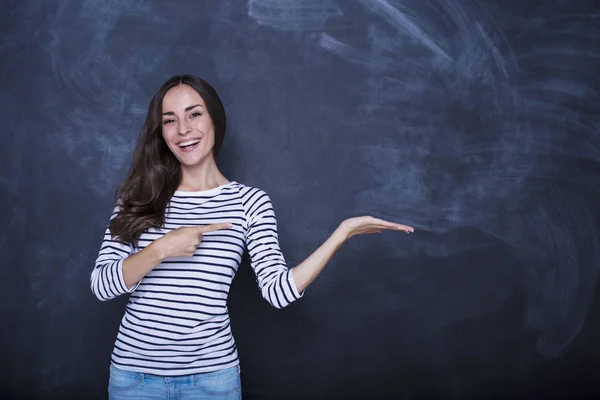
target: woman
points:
(174, 243)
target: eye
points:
(168, 121)
(195, 114)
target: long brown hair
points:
(155, 172)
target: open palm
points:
(367, 224)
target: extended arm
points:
(306, 272)
(281, 286)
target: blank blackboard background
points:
(477, 122)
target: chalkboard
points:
(476, 122)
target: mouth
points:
(188, 145)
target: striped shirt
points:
(176, 321)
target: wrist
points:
(158, 251)
(339, 236)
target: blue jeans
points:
(224, 384)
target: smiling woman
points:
(175, 242)
(189, 128)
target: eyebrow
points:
(186, 109)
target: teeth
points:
(188, 143)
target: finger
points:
(367, 231)
(408, 229)
(405, 228)
(214, 227)
(394, 226)
(378, 221)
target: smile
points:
(189, 145)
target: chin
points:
(193, 162)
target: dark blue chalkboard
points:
(476, 122)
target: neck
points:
(204, 176)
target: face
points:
(186, 126)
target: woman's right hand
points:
(184, 241)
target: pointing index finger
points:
(214, 227)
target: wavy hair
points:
(155, 172)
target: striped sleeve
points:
(274, 279)
(107, 280)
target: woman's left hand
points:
(364, 225)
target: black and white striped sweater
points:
(176, 321)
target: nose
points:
(184, 128)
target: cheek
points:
(210, 131)
(167, 136)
